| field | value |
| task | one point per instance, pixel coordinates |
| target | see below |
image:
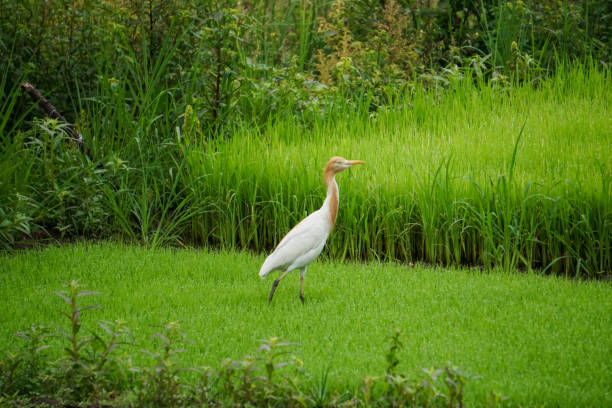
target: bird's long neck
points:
(331, 200)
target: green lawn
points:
(539, 340)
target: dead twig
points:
(53, 113)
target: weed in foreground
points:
(90, 371)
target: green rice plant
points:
(473, 175)
(485, 322)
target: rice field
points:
(500, 186)
(480, 226)
(512, 178)
(539, 341)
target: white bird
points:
(306, 240)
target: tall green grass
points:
(130, 186)
(475, 173)
(480, 175)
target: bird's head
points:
(337, 164)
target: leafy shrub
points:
(62, 47)
(12, 224)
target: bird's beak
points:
(352, 162)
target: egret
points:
(306, 240)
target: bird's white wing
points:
(300, 246)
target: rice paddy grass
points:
(511, 178)
(541, 341)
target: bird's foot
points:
(302, 298)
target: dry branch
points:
(53, 113)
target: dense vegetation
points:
(519, 179)
(486, 131)
(247, 60)
(169, 96)
(520, 339)
(535, 192)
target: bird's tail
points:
(266, 268)
(263, 272)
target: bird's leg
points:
(302, 274)
(275, 284)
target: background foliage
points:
(158, 88)
(231, 56)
